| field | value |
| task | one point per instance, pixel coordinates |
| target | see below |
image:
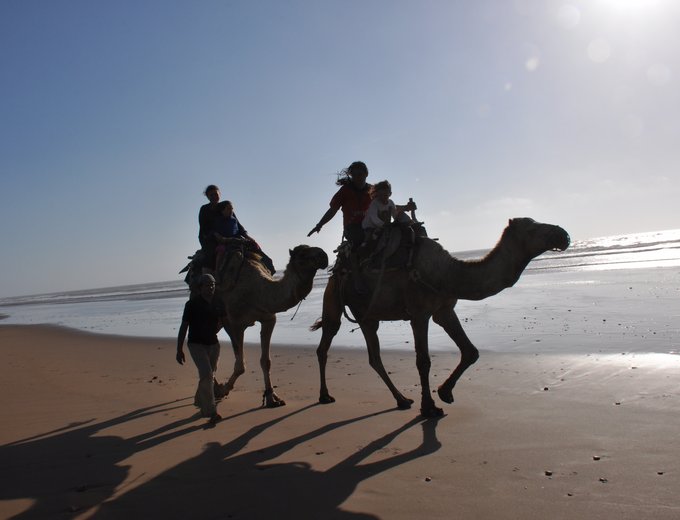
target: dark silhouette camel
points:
(430, 289)
(250, 294)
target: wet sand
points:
(98, 426)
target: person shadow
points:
(223, 482)
(75, 470)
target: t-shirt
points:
(203, 317)
(229, 227)
(379, 214)
(354, 203)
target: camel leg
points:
(420, 328)
(370, 331)
(330, 318)
(449, 321)
(269, 399)
(236, 337)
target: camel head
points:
(536, 238)
(307, 259)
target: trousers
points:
(205, 358)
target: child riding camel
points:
(383, 210)
(229, 232)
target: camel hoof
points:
(326, 399)
(445, 395)
(221, 391)
(431, 412)
(271, 400)
(404, 404)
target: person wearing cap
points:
(202, 318)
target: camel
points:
(430, 289)
(250, 294)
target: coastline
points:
(620, 310)
(102, 427)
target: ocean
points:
(620, 293)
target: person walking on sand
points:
(202, 318)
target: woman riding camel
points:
(353, 198)
(207, 216)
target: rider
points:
(381, 211)
(353, 198)
(227, 229)
(206, 222)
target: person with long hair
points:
(353, 198)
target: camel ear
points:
(290, 252)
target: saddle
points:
(229, 271)
(229, 268)
(393, 247)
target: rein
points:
(297, 309)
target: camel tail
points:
(317, 325)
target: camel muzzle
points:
(561, 239)
(323, 260)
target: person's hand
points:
(180, 357)
(316, 229)
(411, 206)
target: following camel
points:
(250, 294)
(430, 288)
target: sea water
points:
(615, 293)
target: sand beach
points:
(127, 126)
(571, 412)
(100, 426)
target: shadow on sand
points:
(72, 470)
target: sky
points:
(115, 115)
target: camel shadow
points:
(75, 468)
(224, 482)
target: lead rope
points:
(297, 309)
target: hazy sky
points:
(115, 115)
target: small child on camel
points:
(226, 229)
(228, 232)
(382, 210)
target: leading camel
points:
(250, 294)
(430, 289)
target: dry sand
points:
(98, 426)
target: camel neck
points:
(286, 292)
(479, 279)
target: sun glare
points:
(633, 7)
